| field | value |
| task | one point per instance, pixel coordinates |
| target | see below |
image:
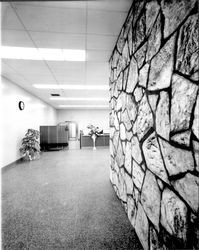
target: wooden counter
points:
(101, 141)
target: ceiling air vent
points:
(55, 94)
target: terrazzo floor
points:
(64, 200)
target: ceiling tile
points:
(58, 40)
(100, 42)
(9, 19)
(97, 69)
(110, 5)
(55, 4)
(37, 18)
(103, 22)
(18, 38)
(98, 55)
(28, 66)
(72, 70)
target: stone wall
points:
(154, 119)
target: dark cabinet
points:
(53, 136)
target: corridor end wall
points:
(154, 122)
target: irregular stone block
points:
(111, 119)
(129, 135)
(128, 159)
(122, 132)
(125, 77)
(138, 175)
(188, 188)
(176, 160)
(196, 153)
(138, 93)
(162, 116)
(122, 187)
(143, 75)
(120, 155)
(187, 53)
(128, 23)
(130, 39)
(173, 214)
(140, 55)
(114, 178)
(115, 139)
(125, 55)
(116, 122)
(125, 119)
(139, 32)
(129, 183)
(112, 131)
(121, 41)
(115, 91)
(115, 58)
(150, 198)
(144, 119)
(124, 146)
(119, 65)
(154, 241)
(183, 97)
(120, 81)
(162, 67)
(137, 7)
(131, 107)
(195, 126)
(136, 195)
(111, 149)
(182, 138)
(175, 12)
(195, 232)
(154, 40)
(153, 157)
(153, 101)
(142, 227)
(135, 150)
(119, 103)
(131, 210)
(133, 76)
(152, 10)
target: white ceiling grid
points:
(90, 25)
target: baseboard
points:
(12, 164)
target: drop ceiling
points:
(87, 25)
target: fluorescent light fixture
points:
(19, 53)
(83, 106)
(47, 54)
(78, 99)
(71, 86)
(51, 54)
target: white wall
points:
(97, 117)
(14, 122)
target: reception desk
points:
(101, 141)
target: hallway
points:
(63, 201)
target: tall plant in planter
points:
(30, 148)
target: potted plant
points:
(30, 148)
(94, 132)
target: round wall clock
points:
(21, 105)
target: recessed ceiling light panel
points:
(71, 86)
(47, 54)
(78, 98)
(84, 106)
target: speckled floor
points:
(63, 201)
